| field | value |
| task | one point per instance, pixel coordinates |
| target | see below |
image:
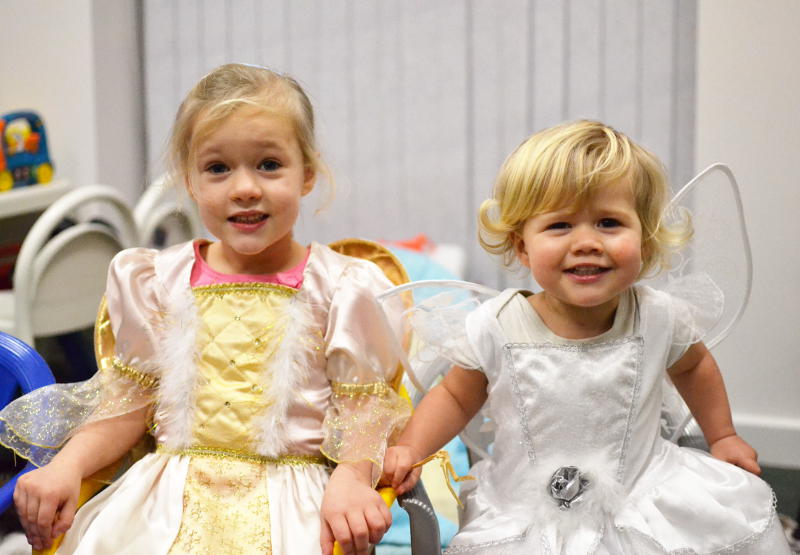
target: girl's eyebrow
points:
(214, 150)
(269, 143)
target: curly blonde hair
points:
(228, 88)
(562, 167)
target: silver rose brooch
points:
(567, 486)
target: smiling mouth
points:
(248, 218)
(587, 270)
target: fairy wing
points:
(713, 274)
(435, 332)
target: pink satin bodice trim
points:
(203, 274)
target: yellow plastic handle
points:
(388, 495)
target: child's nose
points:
(245, 186)
(587, 241)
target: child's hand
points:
(353, 513)
(397, 468)
(46, 500)
(735, 450)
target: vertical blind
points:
(418, 102)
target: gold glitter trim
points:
(145, 380)
(255, 287)
(12, 445)
(295, 460)
(353, 389)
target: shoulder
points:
(138, 257)
(335, 267)
(132, 262)
(484, 332)
(142, 267)
(650, 299)
(490, 309)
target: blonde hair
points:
(562, 167)
(228, 88)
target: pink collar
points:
(203, 274)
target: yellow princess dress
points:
(253, 388)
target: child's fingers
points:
(390, 466)
(64, 518)
(401, 473)
(31, 516)
(357, 535)
(21, 504)
(750, 465)
(29, 520)
(326, 539)
(340, 528)
(46, 517)
(378, 520)
(411, 479)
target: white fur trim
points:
(287, 370)
(601, 499)
(178, 360)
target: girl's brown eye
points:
(608, 222)
(216, 168)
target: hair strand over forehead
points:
(562, 167)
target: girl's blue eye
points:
(217, 168)
(608, 222)
(269, 165)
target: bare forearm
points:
(444, 411)
(102, 443)
(701, 386)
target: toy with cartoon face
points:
(24, 159)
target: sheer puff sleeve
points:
(37, 425)
(363, 359)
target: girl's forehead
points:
(245, 123)
(572, 200)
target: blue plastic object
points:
(22, 369)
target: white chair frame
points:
(59, 279)
(163, 203)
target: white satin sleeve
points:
(126, 347)
(38, 424)
(364, 356)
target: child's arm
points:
(699, 381)
(353, 513)
(442, 414)
(46, 498)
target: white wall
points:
(77, 64)
(748, 115)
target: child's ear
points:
(520, 250)
(309, 178)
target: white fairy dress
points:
(578, 464)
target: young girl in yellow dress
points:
(573, 376)
(252, 361)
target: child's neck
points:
(574, 322)
(278, 258)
